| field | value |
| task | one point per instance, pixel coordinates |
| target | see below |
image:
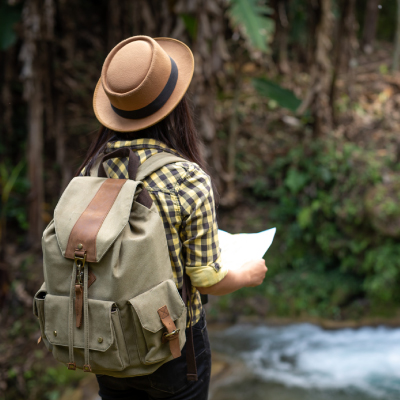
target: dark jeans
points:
(169, 381)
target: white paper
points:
(242, 247)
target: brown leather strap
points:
(78, 305)
(133, 162)
(91, 278)
(171, 327)
(79, 298)
(190, 354)
(89, 223)
(144, 198)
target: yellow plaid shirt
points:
(184, 198)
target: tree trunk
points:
(318, 98)
(345, 49)
(35, 163)
(282, 36)
(370, 24)
(31, 76)
(230, 195)
(396, 55)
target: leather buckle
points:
(87, 368)
(71, 366)
(167, 337)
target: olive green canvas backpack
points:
(109, 304)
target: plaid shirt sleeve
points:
(199, 230)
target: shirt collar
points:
(137, 144)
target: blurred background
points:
(298, 106)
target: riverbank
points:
(327, 324)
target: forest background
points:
(298, 106)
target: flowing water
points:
(305, 362)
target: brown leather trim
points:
(133, 162)
(78, 305)
(79, 253)
(87, 368)
(79, 298)
(71, 366)
(91, 278)
(144, 198)
(170, 325)
(89, 223)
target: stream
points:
(306, 362)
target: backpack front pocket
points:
(148, 325)
(107, 350)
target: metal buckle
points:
(80, 263)
(171, 335)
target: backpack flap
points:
(147, 304)
(91, 214)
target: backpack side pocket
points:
(38, 311)
(148, 325)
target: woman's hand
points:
(249, 274)
(254, 272)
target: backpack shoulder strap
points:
(95, 166)
(155, 162)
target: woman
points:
(140, 102)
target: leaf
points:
(9, 16)
(296, 180)
(251, 17)
(9, 183)
(304, 217)
(191, 24)
(271, 90)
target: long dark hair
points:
(177, 131)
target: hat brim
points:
(183, 58)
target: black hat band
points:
(156, 104)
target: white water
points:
(365, 360)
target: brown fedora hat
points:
(142, 81)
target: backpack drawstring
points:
(71, 364)
(86, 367)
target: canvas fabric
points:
(125, 285)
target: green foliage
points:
(49, 383)
(9, 16)
(8, 180)
(382, 267)
(298, 14)
(191, 24)
(331, 257)
(271, 90)
(252, 18)
(13, 190)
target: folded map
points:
(239, 248)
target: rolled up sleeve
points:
(199, 230)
